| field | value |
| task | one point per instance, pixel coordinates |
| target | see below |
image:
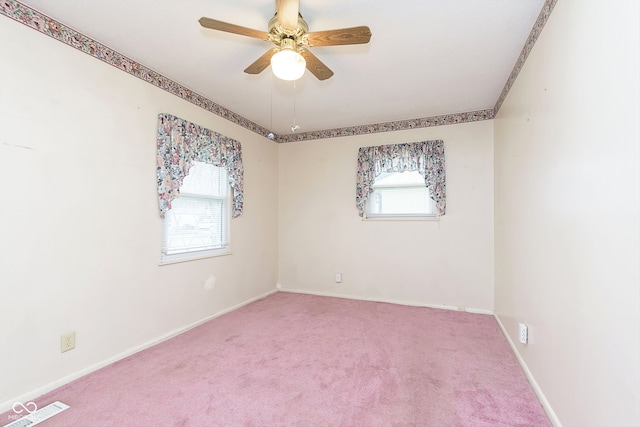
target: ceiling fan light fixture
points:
(287, 64)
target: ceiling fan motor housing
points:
(288, 39)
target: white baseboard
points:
(536, 388)
(33, 394)
(391, 301)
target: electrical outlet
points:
(338, 278)
(67, 341)
(523, 333)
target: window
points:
(197, 225)
(400, 194)
(398, 173)
(200, 180)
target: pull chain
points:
(295, 126)
(271, 136)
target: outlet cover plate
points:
(67, 341)
(523, 333)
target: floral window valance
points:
(180, 144)
(426, 157)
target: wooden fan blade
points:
(355, 35)
(287, 11)
(315, 66)
(214, 24)
(261, 63)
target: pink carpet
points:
(302, 360)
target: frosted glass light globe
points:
(288, 64)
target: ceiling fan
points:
(290, 33)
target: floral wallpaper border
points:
(543, 17)
(40, 22)
(447, 119)
(52, 28)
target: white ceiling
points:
(425, 58)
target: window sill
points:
(401, 218)
(177, 258)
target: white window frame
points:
(369, 215)
(194, 254)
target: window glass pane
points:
(198, 218)
(401, 194)
(399, 178)
(401, 201)
(194, 224)
(205, 179)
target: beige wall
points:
(443, 263)
(80, 233)
(79, 223)
(567, 213)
